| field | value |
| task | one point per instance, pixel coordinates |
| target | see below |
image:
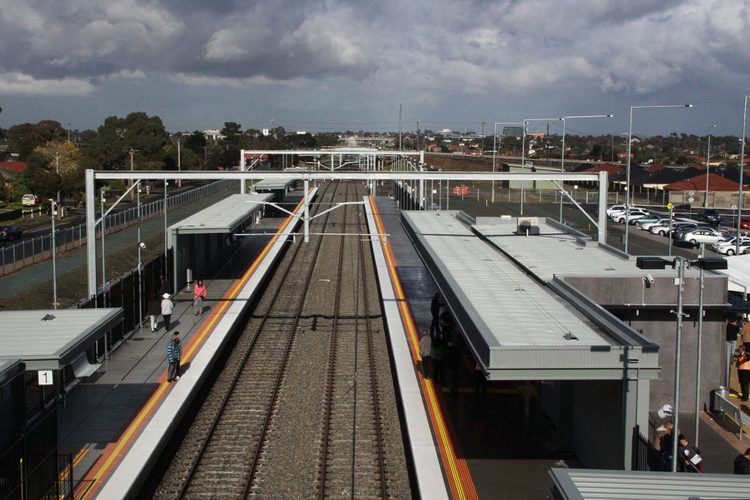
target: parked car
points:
(709, 215)
(645, 220)
(647, 224)
(615, 208)
(679, 229)
(744, 223)
(10, 233)
(29, 200)
(729, 246)
(700, 235)
(634, 213)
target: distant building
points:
(301, 132)
(266, 132)
(213, 134)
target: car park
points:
(10, 233)
(729, 247)
(700, 235)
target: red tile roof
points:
(607, 167)
(13, 166)
(698, 183)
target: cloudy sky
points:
(331, 64)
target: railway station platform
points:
(118, 421)
(491, 435)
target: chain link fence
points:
(38, 249)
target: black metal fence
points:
(31, 468)
(645, 456)
(124, 292)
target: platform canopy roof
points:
(585, 484)
(9, 368)
(276, 184)
(222, 217)
(518, 328)
(49, 339)
(738, 271)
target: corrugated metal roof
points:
(583, 484)
(556, 252)
(520, 324)
(56, 341)
(276, 184)
(9, 368)
(223, 216)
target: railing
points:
(38, 249)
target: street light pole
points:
(179, 163)
(742, 170)
(102, 199)
(696, 425)
(140, 265)
(627, 164)
(54, 257)
(680, 263)
(166, 263)
(708, 166)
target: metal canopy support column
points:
(422, 196)
(243, 181)
(603, 182)
(91, 232)
(307, 210)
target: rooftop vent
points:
(528, 226)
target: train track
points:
(242, 440)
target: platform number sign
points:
(45, 377)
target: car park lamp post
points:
(53, 213)
(708, 165)
(680, 263)
(494, 151)
(627, 163)
(742, 170)
(523, 148)
(141, 246)
(562, 154)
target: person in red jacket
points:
(199, 295)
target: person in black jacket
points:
(435, 310)
(742, 463)
(153, 309)
(690, 457)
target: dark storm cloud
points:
(439, 51)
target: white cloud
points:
(21, 84)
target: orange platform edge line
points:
(105, 463)
(455, 468)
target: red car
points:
(745, 223)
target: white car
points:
(702, 235)
(614, 208)
(635, 213)
(663, 228)
(729, 247)
(648, 225)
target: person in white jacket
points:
(167, 306)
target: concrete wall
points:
(623, 295)
(597, 423)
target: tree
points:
(62, 160)
(39, 176)
(23, 138)
(117, 135)
(195, 142)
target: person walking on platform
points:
(742, 463)
(743, 373)
(425, 348)
(690, 456)
(163, 287)
(745, 333)
(167, 306)
(199, 295)
(435, 310)
(153, 309)
(174, 353)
